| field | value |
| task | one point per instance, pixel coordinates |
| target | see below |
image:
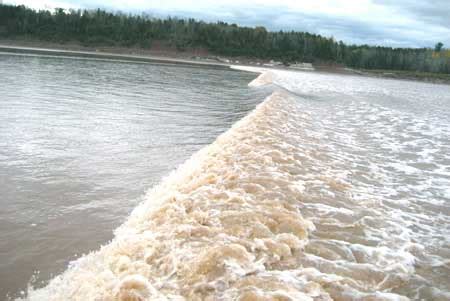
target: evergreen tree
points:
(102, 28)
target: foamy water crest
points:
(306, 198)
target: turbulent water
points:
(81, 141)
(334, 188)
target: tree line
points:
(103, 28)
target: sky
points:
(396, 23)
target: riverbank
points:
(114, 54)
(196, 57)
(437, 78)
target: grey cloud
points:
(433, 18)
(346, 29)
(431, 12)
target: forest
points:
(103, 28)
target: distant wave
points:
(230, 224)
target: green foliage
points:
(101, 28)
(438, 47)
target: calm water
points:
(82, 140)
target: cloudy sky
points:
(398, 23)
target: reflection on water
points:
(82, 140)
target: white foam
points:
(300, 200)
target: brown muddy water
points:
(333, 188)
(81, 141)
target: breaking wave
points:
(285, 205)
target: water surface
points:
(333, 188)
(82, 140)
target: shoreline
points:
(433, 78)
(17, 49)
(194, 59)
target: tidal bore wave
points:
(262, 213)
